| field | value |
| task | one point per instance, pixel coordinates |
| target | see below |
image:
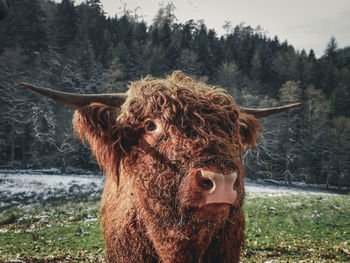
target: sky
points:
(305, 24)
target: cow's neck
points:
(177, 243)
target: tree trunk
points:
(12, 140)
(24, 163)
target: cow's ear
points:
(97, 125)
(95, 120)
(250, 129)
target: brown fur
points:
(152, 210)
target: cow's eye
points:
(150, 126)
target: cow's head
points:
(179, 141)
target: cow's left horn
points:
(78, 100)
(260, 113)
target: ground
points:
(54, 218)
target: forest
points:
(77, 48)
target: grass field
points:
(289, 228)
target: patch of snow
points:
(276, 188)
(90, 219)
(27, 187)
(35, 187)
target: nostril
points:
(207, 183)
(236, 185)
(203, 181)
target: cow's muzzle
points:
(217, 188)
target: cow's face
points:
(184, 152)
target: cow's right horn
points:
(261, 113)
(78, 100)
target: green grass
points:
(291, 228)
(60, 233)
(298, 228)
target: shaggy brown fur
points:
(152, 209)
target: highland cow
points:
(171, 150)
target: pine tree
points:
(65, 24)
(186, 35)
(200, 42)
(28, 22)
(329, 67)
(215, 55)
(93, 22)
(164, 35)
